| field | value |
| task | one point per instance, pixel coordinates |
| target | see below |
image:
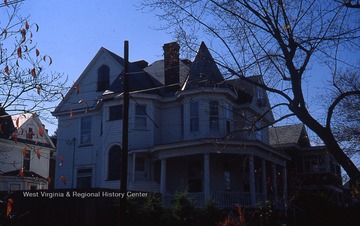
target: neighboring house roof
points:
(6, 124)
(204, 71)
(289, 134)
(26, 174)
(245, 86)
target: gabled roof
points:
(204, 71)
(72, 92)
(288, 135)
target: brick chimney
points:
(171, 67)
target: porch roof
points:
(202, 146)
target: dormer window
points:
(103, 78)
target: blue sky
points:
(72, 32)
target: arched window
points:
(114, 167)
(103, 78)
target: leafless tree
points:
(25, 85)
(280, 40)
(346, 119)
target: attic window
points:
(103, 78)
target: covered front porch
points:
(225, 179)
(228, 176)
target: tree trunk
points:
(330, 142)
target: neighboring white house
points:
(189, 129)
(25, 149)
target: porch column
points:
(285, 186)
(252, 181)
(163, 178)
(206, 176)
(263, 177)
(133, 167)
(274, 182)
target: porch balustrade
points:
(221, 199)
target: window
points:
(84, 178)
(228, 116)
(214, 115)
(30, 133)
(258, 133)
(115, 112)
(103, 78)
(14, 187)
(26, 161)
(114, 167)
(140, 117)
(85, 130)
(194, 116)
(261, 101)
(140, 164)
(314, 163)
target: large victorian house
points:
(189, 130)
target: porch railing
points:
(230, 199)
(221, 199)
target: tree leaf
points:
(7, 70)
(17, 122)
(33, 72)
(63, 179)
(38, 153)
(6, 3)
(15, 137)
(50, 59)
(9, 205)
(21, 172)
(37, 52)
(37, 27)
(38, 91)
(27, 25)
(41, 131)
(19, 52)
